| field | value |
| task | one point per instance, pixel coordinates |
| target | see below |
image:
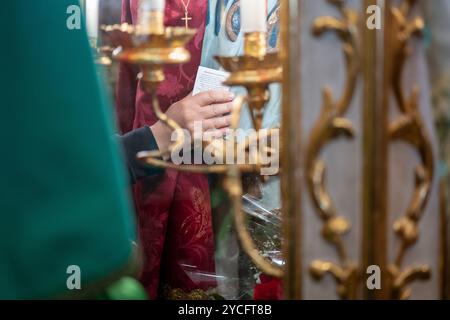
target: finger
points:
(216, 110)
(217, 123)
(213, 97)
(216, 133)
(225, 131)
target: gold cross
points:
(186, 19)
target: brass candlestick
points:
(255, 70)
(151, 51)
(103, 56)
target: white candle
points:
(157, 4)
(92, 18)
(146, 6)
(147, 10)
(253, 16)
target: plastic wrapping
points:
(236, 277)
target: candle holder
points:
(255, 71)
(104, 62)
(103, 56)
(151, 51)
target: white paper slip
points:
(210, 79)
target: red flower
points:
(269, 289)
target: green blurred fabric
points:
(125, 289)
(63, 187)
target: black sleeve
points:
(133, 142)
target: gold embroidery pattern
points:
(201, 221)
(180, 294)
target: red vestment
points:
(173, 211)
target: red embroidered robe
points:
(173, 211)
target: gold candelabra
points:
(255, 70)
(154, 48)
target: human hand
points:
(212, 108)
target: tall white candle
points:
(92, 18)
(147, 8)
(157, 5)
(253, 16)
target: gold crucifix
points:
(186, 19)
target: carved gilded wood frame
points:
(369, 55)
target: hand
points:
(210, 107)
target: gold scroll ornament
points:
(331, 125)
(408, 127)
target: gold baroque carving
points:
(332, 124)
(409, 127)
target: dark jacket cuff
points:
(133, 142)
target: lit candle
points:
(92, 18)
(253, 16)
(151, 15)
